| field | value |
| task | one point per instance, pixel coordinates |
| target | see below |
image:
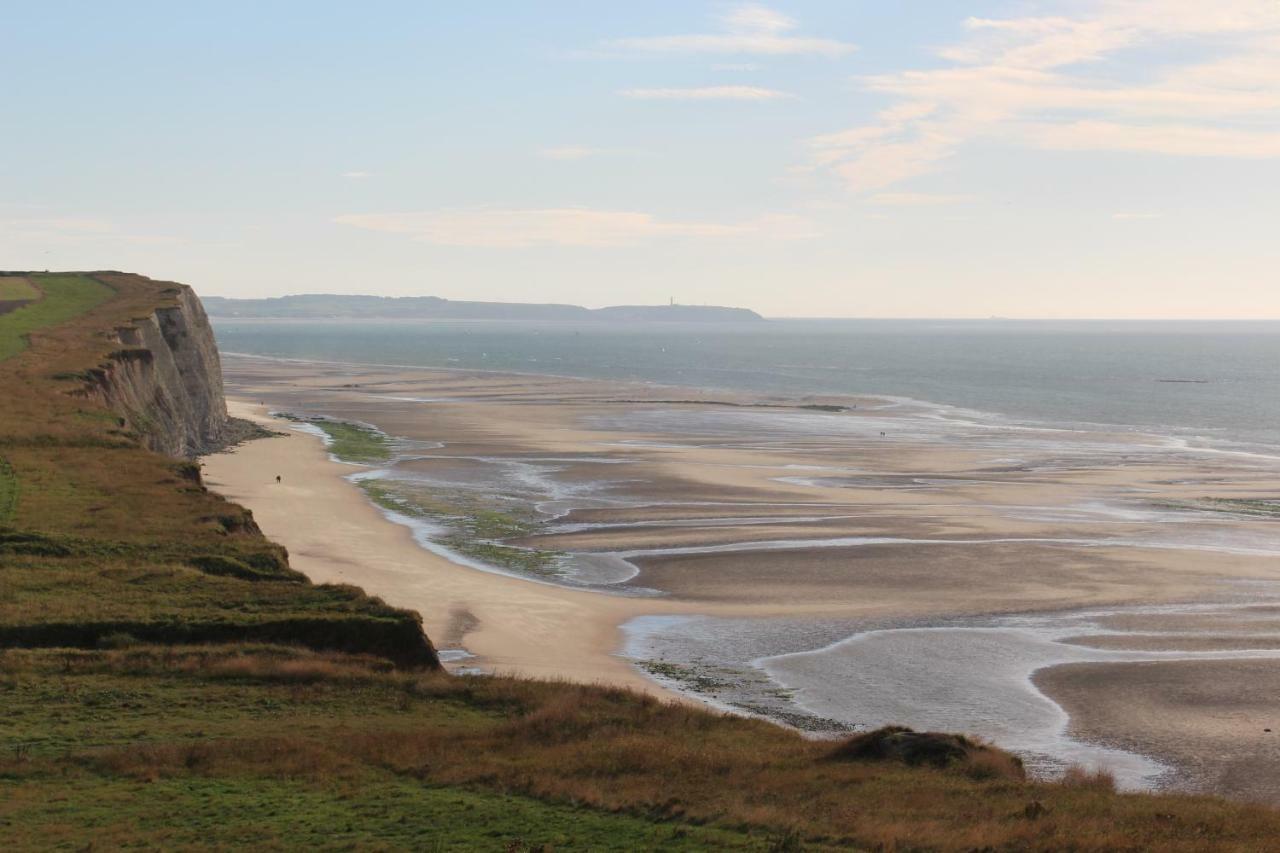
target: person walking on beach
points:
(278, 479)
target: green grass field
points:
(65, 297)
(94, 764)
(388, 814)
(15, 288)
(277, 748)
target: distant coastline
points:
(325, 306)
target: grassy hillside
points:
(61, 298)
(102, 538)
(167, 682)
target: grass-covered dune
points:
(167, 682)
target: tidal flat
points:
(829, 562)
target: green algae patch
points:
(470, 529)
(354, 442)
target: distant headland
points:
(320, 306)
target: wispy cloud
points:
(1060, 82)
(72, 230)
(57, 225)
(585, 152)
(581, 227)
(918, 199)
(357, 175)
(570, 152)
(1123, 216)
(1186, 140)
(706, 93)
(744, 29)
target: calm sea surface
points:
(1210, 383)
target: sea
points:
(1209, 383)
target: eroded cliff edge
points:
(165, 380)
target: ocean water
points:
(1211, 383)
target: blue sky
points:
(1113, 158)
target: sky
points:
(859, 158)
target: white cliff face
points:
(165, 381)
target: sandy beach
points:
(335, 535)
(651, 502)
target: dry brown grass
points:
(1084, 777)
(617, 752)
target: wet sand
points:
(1209, 719)
(751, 508)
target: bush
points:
(930, 749)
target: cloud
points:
(570, 152)
(1136, 215)
(67, 226)
(70, 230)
(581, 227)
(735, 66)
(754, 18)
(357, 175)
(918, 199)
(1066, 83)
(1173, 139)
(745, 29)
(706, 93)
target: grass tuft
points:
(1097, 778)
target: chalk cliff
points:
(165, 380)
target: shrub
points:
(929, 749)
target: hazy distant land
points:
(315, 305)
